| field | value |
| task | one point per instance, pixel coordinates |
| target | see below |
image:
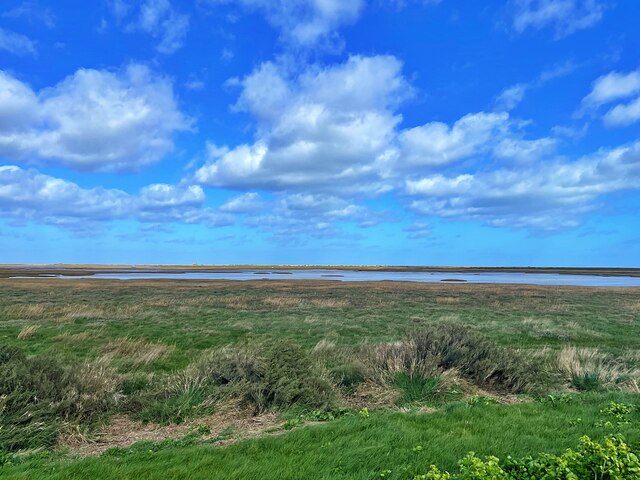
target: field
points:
(307, 379)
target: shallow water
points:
(362, 276)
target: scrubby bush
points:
(480, 359)
(262, 376)
(39, 395)
(438, 349)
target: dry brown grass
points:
(577, 363)
(633, 307)
(69, 312)
(28, 332)
(386, 360)
(447, 300)
(373, 396)
(136, 350)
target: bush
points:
(39, 395)
(611, 459)
(439, 349)
(478, 358)
(262, 377)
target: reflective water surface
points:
(362, 276)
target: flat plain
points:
(177, 362)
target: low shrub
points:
(429, 353)
(263, 377)
(38, 396)
(611, 459)
(481, 360)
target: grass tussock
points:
(587, 369)
(40, 397)
(436, 350)
(447, 300)
(28, 332)
(136, 351)
(262, 377)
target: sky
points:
(381, 132)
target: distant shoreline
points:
(9, 270)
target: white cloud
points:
(622, 115)
(436, 143)
(324, 129)
(303, 23)
(16, 43)
(616, 86)
(563, 16)
(249, 202)
(525, 151)
(33, 13)
(613, 86)
(32, 195)
(93, 120)
(314, 215)
(548, 196)
(158, 18)
(511, 97)
(28, 195)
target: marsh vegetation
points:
(382, 376)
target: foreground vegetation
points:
(408, 375)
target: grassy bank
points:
(381, 445)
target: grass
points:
(361, 448)
(78, 318)
(171, 351)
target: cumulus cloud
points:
(158, 18)
(326, 128)
(437, 143)
(28, 195)
(328, 137)
(563, 16)
(93, 120)
(16, 43)
(616, 87)
(548, 196)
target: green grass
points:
(359, 448)
(150, 331)
(194, 316)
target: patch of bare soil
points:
(123, 432)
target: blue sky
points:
(434, 132)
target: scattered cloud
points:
(28, 195)
(303, 23)
(563, 16)
(513, 95)
(616, 87)
(33, 13)
(546, 196)
(249, 202)
(94, 120)
(315, 216)
(157, 18)
(16, 43)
